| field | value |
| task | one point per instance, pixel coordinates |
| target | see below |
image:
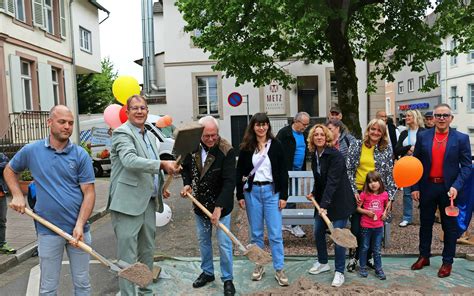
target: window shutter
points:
(10, 7)
(2, 5)
(45, 80)
(38, 15)
(68, 89)
(62, 12)
(15, 80)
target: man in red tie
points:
(446, 157)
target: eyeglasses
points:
(304, 124)
(261, 124)
(442, 115)
(136, 108)
(210, 136)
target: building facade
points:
(43, 45)
(194, 90)
(457, 88)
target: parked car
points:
(97, 136)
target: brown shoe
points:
(445, 270)
(420, 263)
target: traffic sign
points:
(234, 99)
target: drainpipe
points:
(148, 64)
(74, 78)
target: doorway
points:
(308, 99)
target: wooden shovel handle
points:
(222, 226)
(324, 216)
(86, 248)
(170, 176)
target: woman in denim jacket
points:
(372, 153)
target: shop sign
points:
(414, 106)
(274, 98)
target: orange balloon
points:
(407, 171)
(160, 122)
(167, 120)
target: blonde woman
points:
(372, 153)
(333, 193)
(405, 146)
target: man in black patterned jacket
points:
(210, 173)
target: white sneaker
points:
(298, 231)
(319, 268)
(404, 223)
(338, 279)
(287, 228)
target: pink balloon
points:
(112, 116)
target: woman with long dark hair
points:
(262, 190)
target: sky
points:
(121, 36)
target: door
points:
(238, 124)
(308, 99)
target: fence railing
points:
(24, 127)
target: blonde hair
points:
(327, 133)
(383, 142)
(417, 117)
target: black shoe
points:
(229, 289)
(202, 280)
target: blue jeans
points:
(262, 207)
(321, 247)
(50, 251)
(204, 234)
(371, 240)
(407, 205)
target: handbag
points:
(249, 179)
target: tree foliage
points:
(95, 90)
(250, 39)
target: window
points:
(401, 89)
(26, 84)
(20, 10)
(409, 59)
(470, 56)
(454, 97)
(388, 106)
(471, 97)
(436, 80)
(422, 81)
(207, 95)
(55, 79)
(334, 96)
(48, 16)
(453, 58)
(85, 39)
(411, 85)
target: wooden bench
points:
(301, 184)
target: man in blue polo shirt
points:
(64, 179)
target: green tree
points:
(95, 90)
(248, 38)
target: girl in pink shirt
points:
(374, 200)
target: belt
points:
(436, 180)
(258, 183)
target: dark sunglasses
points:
(443, 115)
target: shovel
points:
(187, 140)
(253, 252)
(342, 237)
(451, 210)
(137, 273)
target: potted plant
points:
(25, 179)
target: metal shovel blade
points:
(452, 210)
(344, 238)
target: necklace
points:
(441, 142)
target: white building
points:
(43, 45)
(457, 88)
(194, 90)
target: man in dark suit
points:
(446, 157)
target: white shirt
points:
(264, 172)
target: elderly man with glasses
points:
(446, 157)
(293, 139)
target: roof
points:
(96, 4)
(139, 61)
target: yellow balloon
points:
(124, 87)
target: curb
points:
(28, 251)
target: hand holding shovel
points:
(451, 210)
(342, 237)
